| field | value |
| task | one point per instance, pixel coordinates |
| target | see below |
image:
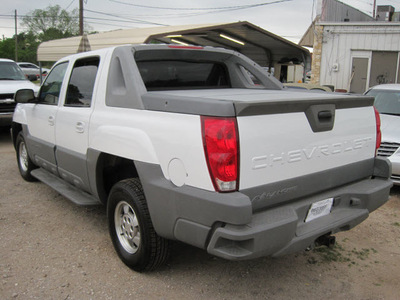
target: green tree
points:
(7, 48)
(52, 23)
(27, 45)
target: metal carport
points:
(260, 45)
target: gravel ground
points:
(53, 249)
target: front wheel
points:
(131, 229)
(25, 164)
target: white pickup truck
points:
(200, 145)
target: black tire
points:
(25, 164)
(131, 229)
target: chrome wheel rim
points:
(23, 157)
(127, 227)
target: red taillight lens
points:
(378, 130)
(220, 140)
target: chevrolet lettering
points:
(293, 156)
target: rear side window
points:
(175, 74)
(250, 77)
(50, 91)
(81, 83)
(28, 66)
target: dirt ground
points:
(53, 249)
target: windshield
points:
(10, 71)
(386, 101)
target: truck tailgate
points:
(278, 147)
(319, 143)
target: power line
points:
(123, 21)
(9, 16)
(197, 8)
(210, 10)
(69, 4)
(219, 9)
(129, 19)
(195, 12)
(108, 24)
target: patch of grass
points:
(397, 224)
(338, 253)
(361, 254)
(334, 253)
(377, 284)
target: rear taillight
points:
(221, 147)
(378, 130)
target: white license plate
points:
(319, 209)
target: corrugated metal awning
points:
(56, 49)
(260, 45)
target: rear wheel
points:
(25, 164)
(131, 229)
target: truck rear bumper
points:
(283, 230)
(228, 226)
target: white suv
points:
(11, 80)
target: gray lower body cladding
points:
(228, 226)
(283, 230)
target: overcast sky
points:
(287, 18)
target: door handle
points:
(51, 120)
(325, 115)
(80, 127)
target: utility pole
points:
(80, 17)
(16, 37)
(374, 10)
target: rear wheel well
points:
(110, 170)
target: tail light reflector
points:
(378, 130)
(221, 147)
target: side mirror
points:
(24, 96)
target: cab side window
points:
(50, 91)
(81, 84)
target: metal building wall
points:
(336, 11)
(342, 42)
